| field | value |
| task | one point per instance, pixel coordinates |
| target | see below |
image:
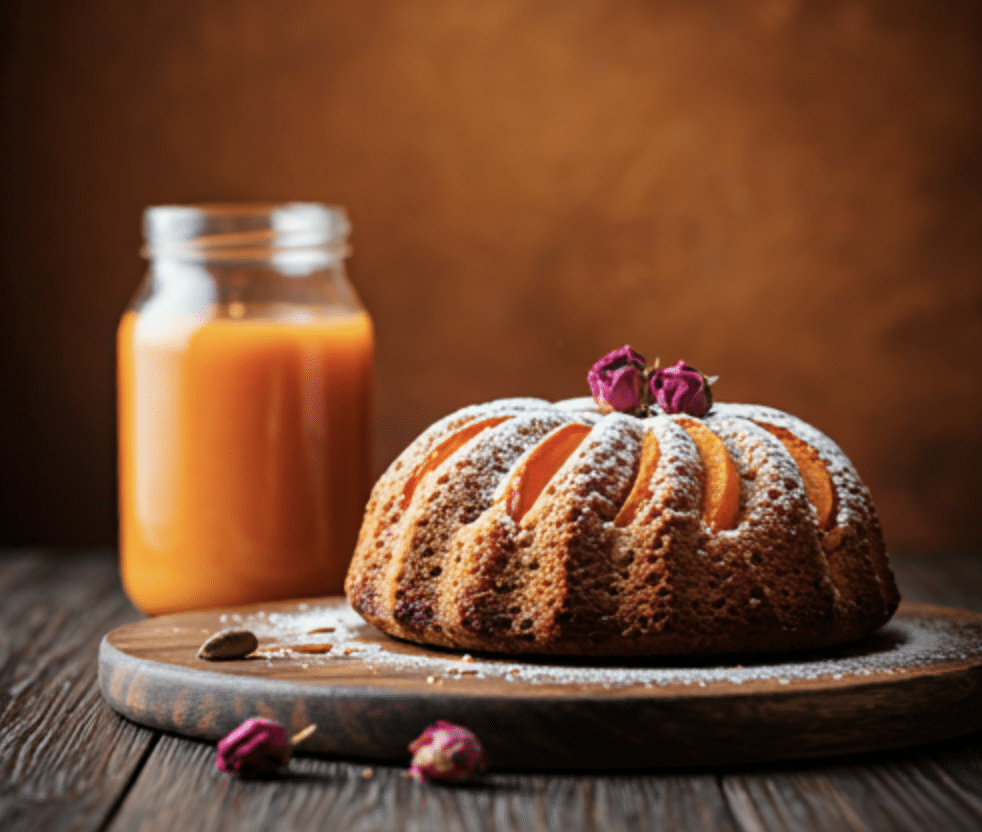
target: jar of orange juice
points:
(245, 408)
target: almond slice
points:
(540, 466)
(818, 483)
(641, 490)
(721, 493)
(442, 452)
(311, 648)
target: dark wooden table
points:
(68, 762)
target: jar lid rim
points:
(221, 229)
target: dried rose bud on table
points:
(259, 747)
(445, 751)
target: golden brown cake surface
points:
(522, 526)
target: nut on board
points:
(228, 644)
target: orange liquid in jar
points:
(245, 457)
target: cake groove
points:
(721, 483)
(641, 489)
(534, 474)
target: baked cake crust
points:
(472, 539)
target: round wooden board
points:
(917, 680)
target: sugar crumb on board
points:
(901, 646)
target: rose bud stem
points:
(301, 735)
(259, 747)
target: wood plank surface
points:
(320, 794)
(938, 790)
(65, 760)
(68, 762)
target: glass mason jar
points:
(245, 408)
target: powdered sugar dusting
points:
(907, 643)
(733, 422)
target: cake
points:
(523, 526)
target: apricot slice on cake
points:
(641, 490)
(721, 492)
(818, 484)
(534, 472)
(442, 452)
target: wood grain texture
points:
(916, 792)
(48, 773)
(65, 760)
(182, 788)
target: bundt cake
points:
(522, 526)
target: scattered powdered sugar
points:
(906, 643)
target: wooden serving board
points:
(917, 680)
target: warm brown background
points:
(786, 194)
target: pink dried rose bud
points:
(259, 747)
(445, 751)
(617, 379)
(681, 389)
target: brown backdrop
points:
(785, 194)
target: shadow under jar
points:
(245, 369)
